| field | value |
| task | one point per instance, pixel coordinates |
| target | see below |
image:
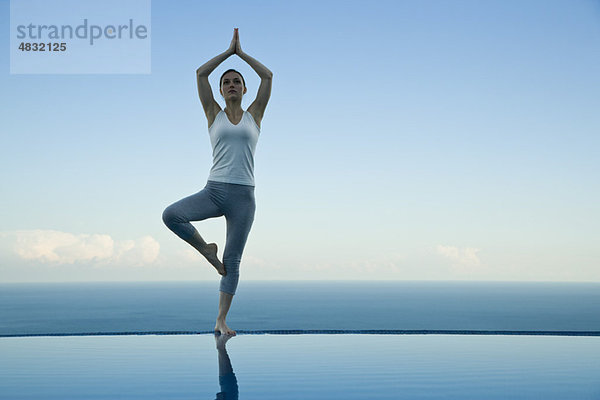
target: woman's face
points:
(232, 86)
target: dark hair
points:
(230, 70)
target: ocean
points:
(117, 307)
(393, 340)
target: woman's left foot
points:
(210, 252)
(222, 328)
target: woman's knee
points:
(232, 263)
(170, 216)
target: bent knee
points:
(169, 216)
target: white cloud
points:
(56, 247)
(463, 260)
(138, 252)
(190, 255)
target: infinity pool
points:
(318, 366)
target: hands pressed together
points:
(235, 47)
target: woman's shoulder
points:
(254, 118)
(213, 115)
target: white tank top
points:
(233, 149)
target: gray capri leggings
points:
(236, 203)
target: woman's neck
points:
(233, 108)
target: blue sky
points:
(409, 140)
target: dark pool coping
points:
(322, 332)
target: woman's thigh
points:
(196, 207)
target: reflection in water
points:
(227, 379)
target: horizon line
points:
(309, 280)
(319, 331)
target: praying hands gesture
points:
(211, 107)
(235, 47)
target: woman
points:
(229, 190)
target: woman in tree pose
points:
(229, 190)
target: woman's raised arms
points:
(257, 108)
(211, 107)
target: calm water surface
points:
(345, 305)
(301, 367)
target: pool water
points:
(318, 366)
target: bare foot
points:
(221, 327)
(210, 254)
